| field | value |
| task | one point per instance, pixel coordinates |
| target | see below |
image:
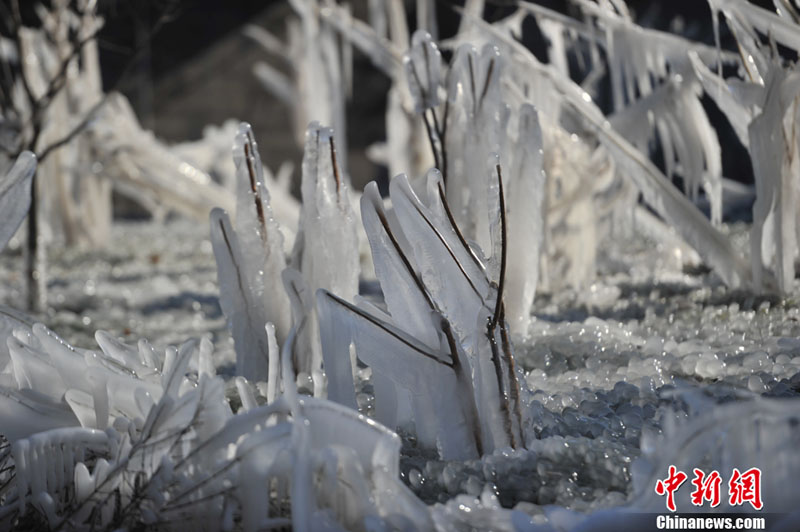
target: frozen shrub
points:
(443, 350)
(149, 439)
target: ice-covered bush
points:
(443, 351)
(532, 175)
(259, 285)
(125, 436)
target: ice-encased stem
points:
(327, 253)
(15, 195)
(246, 316)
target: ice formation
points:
(259, 284)
(320, 71)
(250, 262)
(326, 251)
(62, 86)
(89, 141)
(15, 195)
(757, 432)
(762, 108)
(150, 438)
(443, 349)
(500, 414)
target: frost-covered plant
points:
(250, 261)
(758, 102)
(531, 166)
(571, 100)
(655, 79)
(257, 287)
(761, 106)
(477, 131)
(50, 87)
(125, 437)
(326, 251)
(320, 71)
(443, 350)
(87, 141)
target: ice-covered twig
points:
(250, 261)
(15, 195)
(444, 341)
(326, 252)
(658, 192)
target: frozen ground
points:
(605, 362)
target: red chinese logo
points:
(745, 487)
(706, 488)
(742, 487)
(670, 485)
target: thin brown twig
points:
(503, 250)
(382, 326)
(458, 368)
(404, 258)
(457, 229)
(335, 165)
(431, 139)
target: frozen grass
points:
(493, 412)
(605, 365)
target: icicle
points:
(206, 362)
(45, 461)
(738, 114)
(525, 193)
(685, 133)
(274, 364)
(245, 394)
